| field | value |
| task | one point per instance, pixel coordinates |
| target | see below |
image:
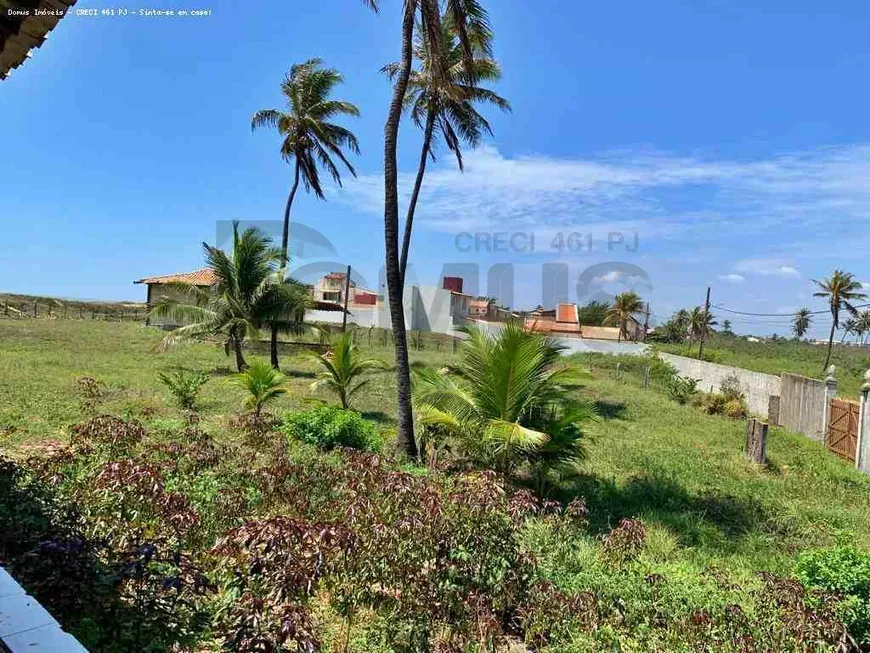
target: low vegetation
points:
(141, 524)
(783, 355)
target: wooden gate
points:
(842, 436)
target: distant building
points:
(330, 288)
(564, 321)
(171, 287)
(166, 286)
(427, 308)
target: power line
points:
(789, 315)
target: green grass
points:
(783, 356)
(42, 360)
(681, 471)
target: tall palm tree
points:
(624, 307)
(445, 106)
(726, 327)
(842, 291)
(471, 25)
(701, 323)
(506, 401)
(309, 139)
(801, 322)
(245, 295)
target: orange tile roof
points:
(203, 277)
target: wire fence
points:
(42, 308)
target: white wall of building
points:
(427, 308)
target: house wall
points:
(432, 310)
(427, 308)
(757, 386)
(160, 292)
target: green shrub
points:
(735, 409)
(184, 386)
(681, 388)
(330, 426)
(716, 403)
(845, 571)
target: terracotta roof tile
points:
(203, 277)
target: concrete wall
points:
(802, 405)
(757, 387)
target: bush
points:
(184, 386)
(681, 388)
(328, 427)
(735, 409)
(719, 404)
(730, 387)
(844, 571)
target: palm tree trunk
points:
(273, 346)
(240, 359)
(415, 194)
(405, 432)
(285, 241)
(285, 234)
(830, 346)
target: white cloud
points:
(732, 278)
(610, 277)
(660, 195)
(768, 267)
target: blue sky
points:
(732, 138)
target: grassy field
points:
(711, 520)
(679, 469)
(783, 356)
(42, 360)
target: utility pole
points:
(646, 322)
(346, 293)
(704, 325)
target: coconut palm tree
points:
(506, 401)
(309, 139)
(245, 294)
(471, 26)
(863, 325)
(801, 322)
(263, 384)
(726, 328)
(701, 323)
(624, 307)
(842, 292)
(343, 366)
(849, 326)
(445, 106)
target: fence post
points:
(755, 442)
(830, 393)
(862, 450)
(618, 367)
(646, 377)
